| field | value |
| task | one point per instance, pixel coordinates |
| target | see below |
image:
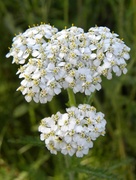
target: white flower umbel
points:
(73, 132)
(111, 52)
(53, 60)
(31, 43)
(28, 49)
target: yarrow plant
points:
(52, 60)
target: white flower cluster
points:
(31, 44)
(53, 60)
(73, 132)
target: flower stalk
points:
(71, 96)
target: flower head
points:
(73, 132)
(53, 60)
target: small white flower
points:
(81, 150)
(68, 149)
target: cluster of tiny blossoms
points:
(73, 132)
(53, 60)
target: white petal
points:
(28, 98)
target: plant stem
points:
(71, 96)
(68, 165)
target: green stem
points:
(71, 96)
(68, 166)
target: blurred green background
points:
(22, 155)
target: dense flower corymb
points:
(73, 132)
(53, 60)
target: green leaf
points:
(95, 172)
